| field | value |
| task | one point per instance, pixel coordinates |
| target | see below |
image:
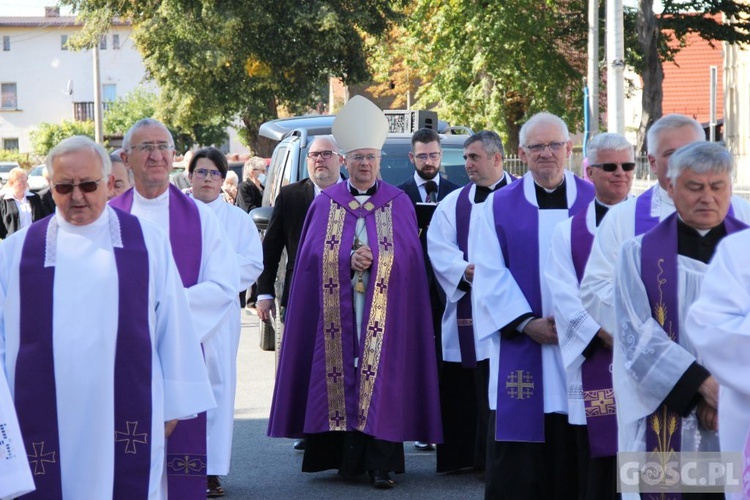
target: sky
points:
(26, 7)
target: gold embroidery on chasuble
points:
(375, 327)
(663, 422)
(599, 403)
(334, 351)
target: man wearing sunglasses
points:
(529, 452)
(585, 347)
(97, 338)
(203, 257)
(639, 215)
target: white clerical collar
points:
(550, 190)
(97, 225)
(160, 201)
(350, 186)
(702, 232)
(420, 181)
(494, 186)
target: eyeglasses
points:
(423, 156)
(202, 173)
(149, 147)
(553, 146)
(323, 154)
(611, 167)
(361, 158)
(85, 187)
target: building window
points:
(6, 43)
(103, 42)
(115, 42)
(64, 42)
(10, 144)
(8, 97)
(109, 92)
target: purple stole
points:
(643, 219)
(659, 274)
(464, 317)
(598, 394)
(35, 383)
(520, 390)
(186, 447)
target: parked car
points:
(5, 168)
(37, 181)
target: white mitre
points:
(360, 125)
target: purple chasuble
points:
(659, 273)
(186, 447)
(598, 393)
(392, 392)
(464, 316)
(520, 390)
(36, 400)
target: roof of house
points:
(687, 82)
(48, 21)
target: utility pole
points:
(593, 68)
(712, 104)
(98, 129)
(615, 68)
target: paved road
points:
(269, 468)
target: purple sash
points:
(598, 394)
(659, 274)
(520, 395)
(186, 447)
(464, 316)
(643, 219)
(35, 392)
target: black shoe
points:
(214, 489)
(422, 446)
(381, 480)
(299, 444)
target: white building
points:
(42, 81)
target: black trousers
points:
(597, 477)
(530, 471)
(465, 409)
(352, 453)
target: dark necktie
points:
(369, 192)
(432, 192)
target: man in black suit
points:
(19, 207)
(427, 186)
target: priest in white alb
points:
(464, 373)
(207, 170)
(666, 398)
(207, 266)
(532, 455)
(15, 475)
(96, 339)
(586, 348)
(638, 215)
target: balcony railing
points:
(84, 111)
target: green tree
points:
(215, 61)
(675, 22)
(48, 135)
(125, 111)
(490, 64)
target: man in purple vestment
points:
(531, 453)
(586, 348)
(357, 374)
(666, 400)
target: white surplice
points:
(15, 475)
(647, 364)
(497, 299)
(718, 325)
(85, 313)
(212, 299)
(575, 327)
(449, 265)
(221, 350)
(597, 286)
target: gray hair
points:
(608, 141)
(670, 122)
(543, 118)
(252, 163)
(75, 144)
(700, 157)
(145, 122)
(231, 178)
(330, 138)
(491, 142)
